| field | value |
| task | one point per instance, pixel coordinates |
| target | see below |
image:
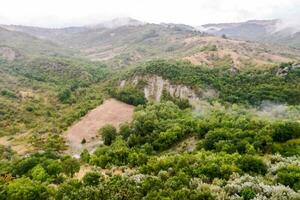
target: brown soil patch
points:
(110, 112)
(83, 170)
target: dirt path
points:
(110, 112)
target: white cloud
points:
(194, 12)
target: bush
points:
(130, 95)
(108, 133)
(92, 178)
(26, 189)
(181, 103)
(38, 173)
(70, 166)
(250, 164)
(8, 93)
(290, 176)
(85, 156)
(65, 95)
(285, 131)
(248, 193)
(212, 137)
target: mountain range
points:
(125, 41)
(272, 31)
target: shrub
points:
(92, 178)
(65, 95)
(249, 163)
(38, 173)
(130, 95)
(108, 133)
(8, 93)
(85, 156)
(70, 166)
(26, 189)
(248, 193)
(212, 137)
(290, 176)
(285, 131)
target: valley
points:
(133, 110)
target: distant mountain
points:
(15, 44)
(125, 42)
(271, 31)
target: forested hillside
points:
(225, 124)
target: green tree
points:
(65, 95)
(290, 176)
(249, 163)
(38, 173)
(108, 133)
(70, 166)
(26, 189)
(85, 156)
(92, 178)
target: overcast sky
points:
(58, 13)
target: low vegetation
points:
(236, 157)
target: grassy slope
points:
(46, 95)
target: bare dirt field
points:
(110, 112)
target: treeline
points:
(250, 86)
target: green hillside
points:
(46, 95)
(242, 143)
(250, 85)
(29, 46)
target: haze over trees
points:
(225, 125)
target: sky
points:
(61, 13)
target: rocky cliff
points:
(154, 86)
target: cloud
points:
(194, 12)
(290, 21)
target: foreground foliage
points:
(234, 157)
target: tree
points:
(53, 167)
(92, 178)
(290, 176)
(38, 173)
(65, 95)
(125, 131)
(85, 156)
(70, 166)
(108, 133)
(252, 164)
(55, 142)
(285, 131)
(23, 166)
(69, 190)
(26, 189)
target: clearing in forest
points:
(110, 112)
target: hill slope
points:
(131, 44)
(272, 31)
